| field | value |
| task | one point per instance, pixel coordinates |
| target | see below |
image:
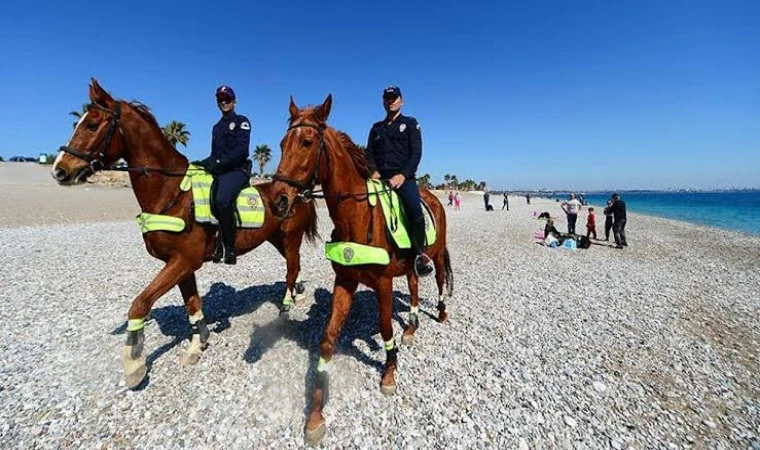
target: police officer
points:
(394, 148)
(230, 140)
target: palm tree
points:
(175, 132)
(78, 114)
(262, 155)
(425, 181)
(447, 179)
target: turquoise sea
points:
(732, 210)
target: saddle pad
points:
(250, 207)
(395, 217)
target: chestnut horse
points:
(314, 153)
(113, 129)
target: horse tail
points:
(448, 272)
(312, 233)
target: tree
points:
(78, 114)
(175, 132)
(447, 179)
(425, 181)
(262, 155)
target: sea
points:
(727, 210)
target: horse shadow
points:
(221, 303)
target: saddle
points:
(249, 205)
(395, 215)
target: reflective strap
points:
(288, 300)
(389, 345)
(414, 310)
(157, 222)
(353, 254)
(196, 317)
(135, 324)
(323, 365)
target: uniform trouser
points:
(409, 193)
(607, 228)
(619, 229)
(227, 186)
(571, 219)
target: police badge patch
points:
(232, 126)
(348, 254)
(245, 126)
(402, 127)
(252, 200)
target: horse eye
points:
(307, 142)
(92, 126)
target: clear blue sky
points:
(576, 95)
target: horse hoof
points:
(299, 299)
(407, 339)
(135, 378)
(189, 359)
(314, 437)
(443, 316)
(388, 389)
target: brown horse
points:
(113, 129)
(314, 153)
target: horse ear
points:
(323, 111)
(99, 96)
(294, 111)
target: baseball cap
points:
(392, 91)
(225, 91)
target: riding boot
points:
(219, 248)
(423, 266)
(228, 229)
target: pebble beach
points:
(651, 346)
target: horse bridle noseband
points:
(305, 188)
(114, 125)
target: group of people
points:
(394, 150)
(614, 219)
(455, 200)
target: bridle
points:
(114, 125)
(306, 188)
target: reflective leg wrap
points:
(198, 326)
(323, 379)
(132, 353)
(287, 302)
(413, 319)
(391, 356)
(136, 342)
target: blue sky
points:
(557, 95)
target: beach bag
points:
(570, 244)
(551, 241)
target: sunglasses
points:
(390, 98)
(224, 101)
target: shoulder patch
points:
(245, 126)
(402, 127)
(232, 125)
(418, 126)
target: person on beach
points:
(457, 201)
(527, 197)
(230, 141)
(608, 220)
(620, 217)
(451, 198)
(487, 199)
(394, 149)
(571, 208)
(506, 202)
(591, 224)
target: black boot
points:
(228, 229)
(219, 248)
(423, 266)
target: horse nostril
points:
(59, 174)
(282, 202)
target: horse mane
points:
(358, 157)
(144, 112)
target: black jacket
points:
(396, 147)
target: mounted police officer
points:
(394, 148)
(230, 140)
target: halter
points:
(305, 188)
(114, 124)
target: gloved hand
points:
(210, 164)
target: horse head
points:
(303, 161)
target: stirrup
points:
(427, 270)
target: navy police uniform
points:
(396, 148)
(230, 142)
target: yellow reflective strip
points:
(135, 324)
(389, 345)
(196, 317)
(323, 365)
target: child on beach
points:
(591, 223)
(457, 201)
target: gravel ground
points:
(653, 346)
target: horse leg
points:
(198, 326)
(343, 293)
(132, 353)
(440, 279)
(294, 290)
(385, 303)
(414, 307)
